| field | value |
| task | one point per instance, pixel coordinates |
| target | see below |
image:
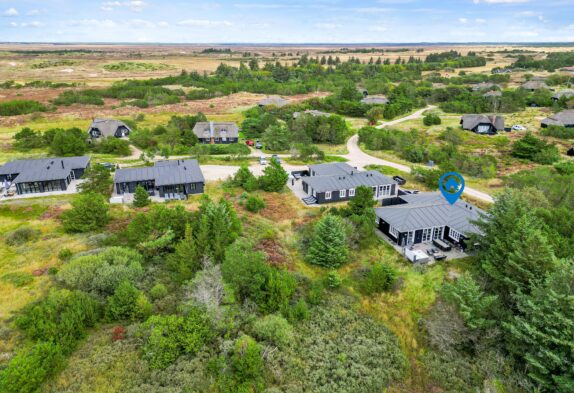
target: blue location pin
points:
(451, 186)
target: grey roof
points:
(484, 86)
(347, 181)
(273, 100)
(375, 100)
(534, 85)
(469, 122)
(564, 93)
(333, 168)
(493, 93)
(163, 173)
(107, 127)
(564, 118)
(430, 209)
(43, 169)
(312, 112)
(219, 129)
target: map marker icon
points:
(451, 185)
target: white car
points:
(518, 127)
(262, 160)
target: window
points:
(427, 233)
(393, 231)
(375, 191)
(352, 192)
(437, 233)
(454, 235)
(328, 195)
(410, 237)
(342, 193)
(385, 190)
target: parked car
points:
(249, 142)
(258, 145)
(518, 127)
(276, 158)
(400, 180)
(263, 160)
(108, 165)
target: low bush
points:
(111, 145)
(127, 303)
(158, 291)
(20, 107)
(18, 279)
(558, 132)
(431, 119)
(254, 204)
(274, 329)
(65, 254)
(21, 236)
(83, 97)
(89, 212)
(377, 279)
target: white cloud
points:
(107, 23)
(480, 20)
(33, 12)
(326, 26)
(134, 5)
(204, 23)
(373, 10)
(463, 20)
(27, 24)
(11, 12)
(500, 1)
(137, 23)
(377, 28)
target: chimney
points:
(62, 164)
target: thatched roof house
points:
(564, 119)
(485, 86)
(563, 93)
(493, 93)
(274, 101)
(375, 100)
(482, 124)
(534, 85)
(311, 112)
(103, 128)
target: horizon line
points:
(565, 43)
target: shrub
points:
(89, 212)
(97, 178)
(141, 197)
(168, 337)
(274, 329)
(127, 303)
(534, 149)
(431, 119)
(244, 178)
(377, 279)
(21, 236)
(27, 371)
(18, 279)
(158, 291)
(274, 177)
(333, 279)
(84, 97)
(101, 274)
(558, 132)
(20, 107)
(112, 145)
(62, 317)
(328, 247)
(70, 142)
(254, 204)
(65, 254)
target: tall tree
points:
(141, 197)
(328, 246)
(89, 212)
(274, 177)
(97, 179)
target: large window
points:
(352, 192)
(342, 193)
(427, 233)
(385, 190)
(393, 231)
(454, 235)
(328, 195)
(437, 233)
(53, 185)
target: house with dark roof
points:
(375, 100)
(563, 119)
(563, 93)
(43, 175)
(482, 124)
(104, 128)
(170, 179)
(485, 86)
(534, 85)
(428, 216)
(337, 182)
(216, 132)
(273, 101)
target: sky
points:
(284, 21)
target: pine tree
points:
(274, 177)
(96, 178)
(328, 247)
(141, 197)
(185, 261)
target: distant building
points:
(43, 175)
(424, 217)
(216, 132)
(311, 112)
(375, 100)
(564, 119)
(103, 128)
(273, 101)
(485, 86)
(337, 182)
(534, 85)
(482, 124)
(563, 93)
(493, 93)
(171, 179)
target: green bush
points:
(243, 371)
(84, 97)
(333, 280)
(158, 291)
(127, 303)
(254, 204)
(558, 132)
(112, 145)
(102, 273)
(18, 279)
(67, 143)
(27, 371)
(20, 107)
(168, 337)
(141, 197)
(379, 278)
(274, 329)
(63, 318)
(328, 247)
(21, 236)
(274, 177)
(89, 212)
(531, 148)
(65, 254)
(431, 119)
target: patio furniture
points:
(439, 256)
(442, 245)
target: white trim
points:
(454, 234)
(327, 194)
(393, 231)
(352, 192)
(426, 235)
(342, 193)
